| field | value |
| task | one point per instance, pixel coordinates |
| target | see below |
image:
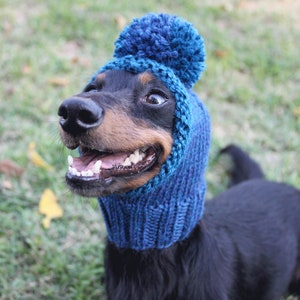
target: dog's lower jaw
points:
(81, 188)
(110, 185)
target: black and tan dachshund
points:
(246, 246)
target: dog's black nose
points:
(79, 114)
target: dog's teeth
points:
(89, 173)
(70, 160)
(97, 167)
(134, 158)
(127, 162)
(72, 170)
(142, 155)
(139, 156)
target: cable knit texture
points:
(167, 207)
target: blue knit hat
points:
(168, 206)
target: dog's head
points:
(122, 124)
(132, 122)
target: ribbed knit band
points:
(162, 216)
(167, 207)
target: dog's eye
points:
(155, 99)
(92, 88)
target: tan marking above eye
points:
(100, 77)
(145, 77)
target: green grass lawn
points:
(48, 52)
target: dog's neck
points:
(168, 213)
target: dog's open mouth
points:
(102, 165)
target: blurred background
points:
(48, 52)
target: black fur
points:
(121, 88)
(244, 167)
(246, 247)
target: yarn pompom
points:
(167, 40)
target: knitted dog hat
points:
(168, 206)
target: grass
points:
(49, 50)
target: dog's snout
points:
(77, 115)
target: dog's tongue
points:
(90, 158)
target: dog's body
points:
(247, 245)
(245, 248)
(126, 124)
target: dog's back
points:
(246, 247)
(261, 220)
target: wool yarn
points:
(167, 207)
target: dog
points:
(246, 244)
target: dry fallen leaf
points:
(10, 168)
(49, 207)
(297, 111)
(6, 184)
(220, 53)
(70, 51)
(120, 21)
(36, 159)
(59, 81)
(26, 69)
